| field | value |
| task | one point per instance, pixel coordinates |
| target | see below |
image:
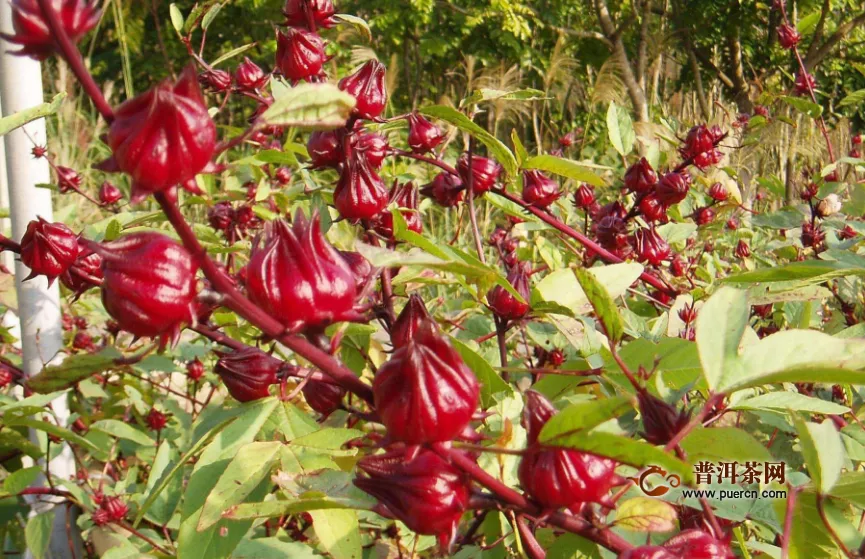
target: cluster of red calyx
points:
(690, 544)
(805, 83)
(557, 478)
(32, 32)
(111, 510)
(855, 147)
(788, 36)
(48, 249)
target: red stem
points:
(238, 303)
(70, 53)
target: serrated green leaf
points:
(855, 98)
(803, 105)
(338, 532)
(19, 119)
(793, 401)
(37, 534)
(311, 106)
(358, 22)
(563, 167)
(122, 430)
(720, 326)
(823, 451)
(498, 150)
(491, 382)
(583, 416)
(484, 94)
(620, 129)
(73, 369)
(231, 54)
(644, 514)
(604, 306)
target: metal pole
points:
(38, 305)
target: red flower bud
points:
(409, 321)
(360, 192)
(732, 224)
(299, 53)
(6, 376)
(249, 76)
(77, 17)
(323, 397)
(425, 392)
(48, 249)
(298, 277)
(557, 477)
(651, 247)
(678, 266)
(704, 216)
(360, 267)
(247, 373)
(427, 493)
(282, 175)
(661, 421)
(373, 147)
(718, 192)
(215, 80)
(115, 508)
(149, 284)
(325, 149)
(856, 139)
(109, 194)
(163, 137)
(445, 189)
(221, 216)
(368, 87)
(761, 111)
(653, 209)
(673, 188)
(584, 197)
(82, 341)
(707, 159)
(812, 235)
(299, 13)
(423, 135)
(854, 153)
(39, 151)
(503, 303)
(195, 370)
(696, 544)
(403, 196)
(640, 177)
(611, 231)
(847, 233)
(484, 174)
(67, 179)
(539, 190)
(788, 36)
(156, 420)
(805, 83)
(699, 140)
(742, 249)
(570, 138)
(84, 273)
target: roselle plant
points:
(355, 331)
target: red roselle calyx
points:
(249, 76)
(322, 396)
(162, 138)
(673, 188)
(109, 194)
(84, 273)
(742, 249)
(195, 370)
(503, 303)
(409, 321)
(215, 80)
(359, 266)
(484, 173)
(427, 493)
(247, 373)
(67, 179)
(704, 216)
(647, 552)
(584, 197)
(32, 33)
(653, 209)
(156, 420)
(425, 392)
(325, 149)
(718, 192)
(697, 544)
(48, 249)
(661, 421)
(299, 13)
(404, 197)
(367, 86)
(299, 53)
(640, 177)
(446, 189)
(788, 36)
(539, 190)
(360, 192)
(557, 477)
(149, 284)
(804, 83)
(650, 246)
(423, 135)
(373, 147)
(298, 277)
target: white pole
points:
(38, 305)
(6, 258)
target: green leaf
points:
(21, 480)
(561, 287)
(13, 441)
(123, 430)
(51, 429)
(803, 105)
(251, 465)
(166, 501)
(850, 487)
(605, 307)
(310, 106)
(210, 15)
(563, 167)
(627, 451)
(73, 369)
(338, 532)
(231, 54)
(113, 230)
(823, 451)
(724, 444)
(358, 22)
(19, 119)
(644, 514)
(260, 548)
(498, 150)
(481, 95)
(37, 534)
(491, 382)
(720, 326)
(808, 535)
(855, 98)
(582, 416)
(519, 149)
(620, 129)
(790, 401)
(176, 18)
